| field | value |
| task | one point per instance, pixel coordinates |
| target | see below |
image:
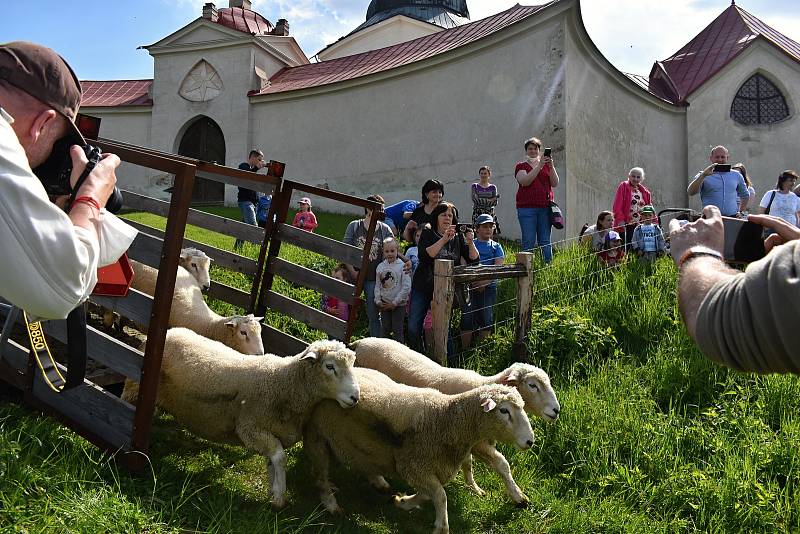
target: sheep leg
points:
(271, 448)
(320, 456)
(410, 502)
(489, 454)
(466, 468)
(379, 483)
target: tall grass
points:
(652, 438)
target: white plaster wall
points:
(613, 126)
(230, 110)
(445, 122)
(398, 29)
(765, 150)
(131, 125)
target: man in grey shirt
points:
(738, 318)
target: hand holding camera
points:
(100, 184)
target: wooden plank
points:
(229, 294)
(335, 195)
(281, 343)
(524, 305)
(87, 408)
(441, 307)
(222, 225)
(320, 244)
(312, 279)
(102, 348)
(145, 248)
(136, 306)
(152, 240)
(317, 319)
(258, 182)
(476, 273)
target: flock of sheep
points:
(376, 406)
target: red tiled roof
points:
(716, 46)
(116, 93)
(383, 59)
(244, 20)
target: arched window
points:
(759, 102)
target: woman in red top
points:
(630, 198)
(537, 177)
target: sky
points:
(100, 38)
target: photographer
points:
(739, 319)
(719, 187)
(50, 259)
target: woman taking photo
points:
(596, 234)
(440, 241)
(537, 177)
(781, 202)
(432, 195)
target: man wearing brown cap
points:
(49, 258)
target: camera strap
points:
(94, 158)
(76, 347)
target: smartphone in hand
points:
(548, 152)
(744, 241)
(722, 167)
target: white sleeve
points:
(765, 199)
(48, 266)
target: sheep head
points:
(504, 415)
(198, 264)
(534, 386)
(244, 334)
(332, 363)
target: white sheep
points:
(194, 261)
(418, 434)
(407, 366)
(259, 402)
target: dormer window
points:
(758, 101)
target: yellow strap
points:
(39, 345)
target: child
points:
(648, 239)
(332, 305)
(613, 251)
(392, 286)
(412, 252)
(304, 218)
(484, 197)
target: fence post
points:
(443, 288)
(524, 301)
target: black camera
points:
(464, 228)
(56, 171)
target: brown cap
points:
(43, 74)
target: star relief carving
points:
(202, 84)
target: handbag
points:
(556, 217)
(767, 231)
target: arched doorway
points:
(203, 140)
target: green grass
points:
(652, 438)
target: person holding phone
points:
(781, 201)
(536, 176)
(738, 318)
(720, 186)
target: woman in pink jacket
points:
(629, 200)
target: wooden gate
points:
(117, 426)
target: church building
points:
(420, 90)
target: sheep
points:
(410, 367)
(418, 434)
(195, 261)
(259, 402)
(189, 310)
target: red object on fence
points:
(114, 280)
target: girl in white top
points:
(781, 201)
(596, 234)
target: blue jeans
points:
(480, 314)
(416, 317)
(535, 226)
(248, 210)
(373, 314)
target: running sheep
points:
(418, 434)
(407, 366)
(259, 402)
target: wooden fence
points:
(116, 425)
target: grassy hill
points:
(652, 437)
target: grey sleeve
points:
(745, 322)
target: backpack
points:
(264, 202)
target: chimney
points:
(210, 12)
(246, 4)
(281, 28)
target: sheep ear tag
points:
(309, 356)
(488, 405)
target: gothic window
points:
(759, 102)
